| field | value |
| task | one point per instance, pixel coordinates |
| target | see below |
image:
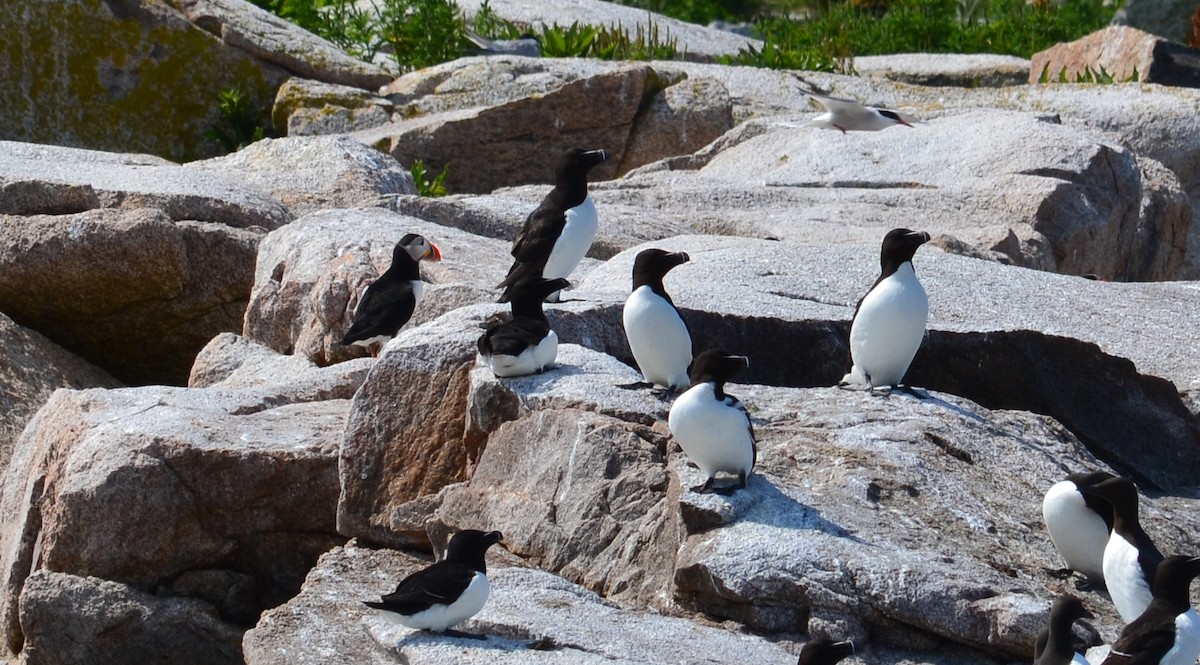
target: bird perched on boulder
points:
(1130, 557)
(657, 334)
(1053, 644)
(824, 651)
(1078, 524)
(713, 427)
(557, 234)
(889, 321)
(1168, 631)
(526, 45)
(448, 592)
(524, 344)
(389, 301)
(849, 115)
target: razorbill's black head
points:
(824, 651)
(558, 234)
(1168, 631)
(1130, 557)
(711, 426)
(1079, 524)
(389, 301)
(657, 334)
(889, 321)
(525, 344)
(1054, 645)
(446, 593)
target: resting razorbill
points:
(657, 334)
(524, 344)
(1079, 525)
(1168, 632)
(713, 428)
(389, 301)
(1053, 644)
(824, 651)
(1130, 557)
(557, 235)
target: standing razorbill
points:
(389, 301)
(824, 651)
(889, 322)
(713, 428)
(1130, 557)
(658, 336)
(557, 235)
(1079, 525)
(1053, 643)
(524, 344)
(1168, 632)
(446, 593)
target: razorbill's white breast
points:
(1130, 557)
(1079, 525)
(557, 235)
(712, 427)
(658, 336)
(1168, 631)
(446, 593)
(389, 302)
(889, 321)
(524, 344)
(1053, 645)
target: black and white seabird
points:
(1079, 524)
(1168, 632)
(557, 235)
(849, 115)
(525, 344)
(658, 336)
(526, 45)
(446, 593)
(389, 301)
(889, 321)
(712, 427)
(1053, 645)
(824, 651)
(1130, 557)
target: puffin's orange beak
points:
(434, 254)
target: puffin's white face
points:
(420, 248)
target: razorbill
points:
(389, 301)
(889, 321)
(1079, 525)
(658, 336)
(524, 344)
(557, 235)
(1053, 644)
(526, 45)
(1168, 632)
(446, 593)
(824, 651)
(712, 427)
(1130, 557)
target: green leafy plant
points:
(573, 41)
(421, 33)
(238, 125)
(645, 44)
(1099, 76)
(425, 186)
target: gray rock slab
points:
(248, 479)
(1123, 54)
(33, 368)
(971, 70)
(311, 274)
(693, 41)
(567, 623)
(304, 107)
(260, 33)
(231, 361)
(311, 173)
(129, 289)
(1168, 18)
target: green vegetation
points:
(1098, 76)
(425, 186)
(238, 126)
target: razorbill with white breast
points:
(712, 427)
(1053, 644)
(889, 321)
(389, 301)
(446, 593)
(824, 651)
(1130, 557)
(1168, 632)
(524, 344)
(658, 336)
(1079, 524)
(557, 235)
